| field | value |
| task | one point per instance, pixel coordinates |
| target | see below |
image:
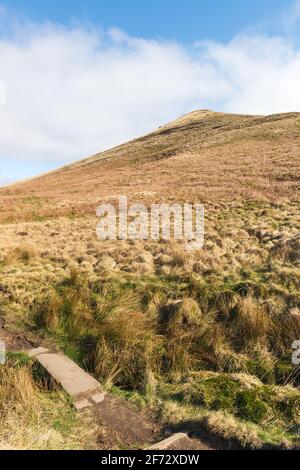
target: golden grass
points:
(32, 418)
(215, 157)
(128, 350)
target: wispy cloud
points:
(74, 91)
(291, 16)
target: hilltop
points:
(204, 156)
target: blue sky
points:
(82, 76)
(185, 21)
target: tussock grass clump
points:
(128, 349)
(288, 250)
(189, 336)
(21, 254)
(44, 313)
(226, 426)
(250, 323)
(289, 329)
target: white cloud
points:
(291, 16)
(74, 91)
(263, 73)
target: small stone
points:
(169, 442)
(98, 397)
(82, 404)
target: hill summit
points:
(204, 156)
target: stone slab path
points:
(74, 380)
(128, 424)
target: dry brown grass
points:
(251, 323)
(31, 418)
(227, 427)
(23, 253)
(128, 350)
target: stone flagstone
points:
(74, 380)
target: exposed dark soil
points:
(129, 425)
(135, 428)
(14, 342)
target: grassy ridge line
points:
(208, 157)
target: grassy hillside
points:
(202, 339)
(204, 156)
